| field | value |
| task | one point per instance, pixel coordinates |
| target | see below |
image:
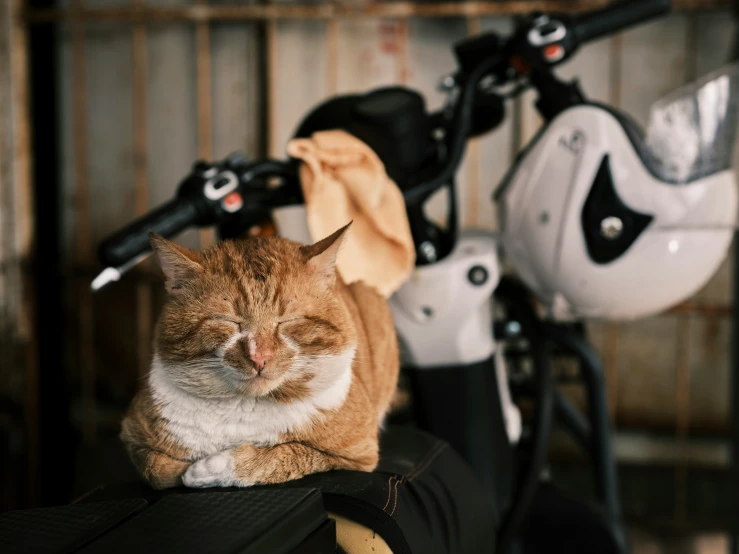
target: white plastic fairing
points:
(443, 313)
(541, 210)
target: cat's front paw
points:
(214, 471)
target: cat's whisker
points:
(144, 376)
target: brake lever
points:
(214, 187)
(113, 274)
(212, 194)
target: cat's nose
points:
(260, 360)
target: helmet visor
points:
(691, 131)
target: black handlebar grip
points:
(616, 17)
(167, 220)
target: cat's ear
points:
(178, 264)
(321, 256)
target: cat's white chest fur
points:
(206, 426)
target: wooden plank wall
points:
(18, 369)
(140, 102)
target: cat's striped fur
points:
(267, 367)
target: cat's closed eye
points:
(226, 319)
(291, 319)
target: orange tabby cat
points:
(266, 367)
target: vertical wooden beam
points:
(18, 338)
(21, 129)
(141, 172)
(205, 112)
(682, 353)
(302, 53)
(273, 146)
(401, 67)
(332, 56)
(24, 239)
(83, 245)
(140, 68)
(611, 362)
(682, 412)
(616, 63)
(23, 207)
(82, 200)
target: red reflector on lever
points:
(233, 202)
(554, 52)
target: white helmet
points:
(601, 221)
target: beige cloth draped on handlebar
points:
(343, 180)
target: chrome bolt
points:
(428, 250)
(611, 227)
(512, 328)
(446, 84)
